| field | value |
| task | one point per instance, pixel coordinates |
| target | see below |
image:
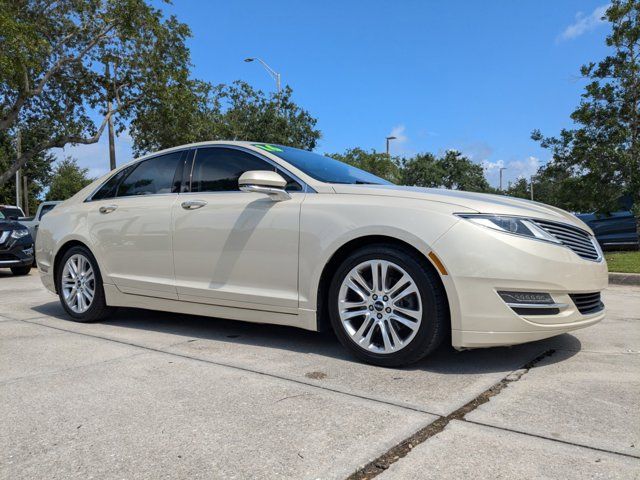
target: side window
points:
(153, 176)
(45, 209)
(110, 187)
(218, 170)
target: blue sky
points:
(474, 76)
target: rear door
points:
(130, 225)
(236, 248)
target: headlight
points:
(513, 225)
(20, 233)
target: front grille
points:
(587, 302)
(7, 257)
(581, 242)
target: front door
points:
(129, 221)
(235, 248)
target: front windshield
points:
(322, 168)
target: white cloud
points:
(584, 23)
(515, 169)
(397, 146)
(525, 168)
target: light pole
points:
(275, 75)
(388, 140)
(533, 177)
(501, 169)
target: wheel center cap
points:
(379, 306)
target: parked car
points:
(32, 222)
(272, 234)
(11, 212)
(16, 246)
(615, 230)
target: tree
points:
(453, 171)
(68, 179)
(196, 111)
(37, 171)
(460, 173)
(600, 158)
(423, 170)
(373, 162)
(53, 58)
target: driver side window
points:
(218, 170)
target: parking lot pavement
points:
(149, 394)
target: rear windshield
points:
(10, 212)
(324, 169)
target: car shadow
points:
(445, 360)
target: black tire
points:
(98, 310)
(21, 270)
(435, 317)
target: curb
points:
(624, 278)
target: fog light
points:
(529, 298)
(28, 251)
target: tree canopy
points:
(453, 171)
(68, 178)
(54, 82)
(598, 161)
(197, 111)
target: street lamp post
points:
(501, 169)
(533, 177)
(275, 75)
(388, 140)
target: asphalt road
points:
(156, 395)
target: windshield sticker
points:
(267, 147)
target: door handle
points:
(193, 204)
(107, 208)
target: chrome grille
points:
(3, 236)
(587, 303)
(578, 240)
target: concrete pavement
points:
(156, 395)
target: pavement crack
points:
(402, 449)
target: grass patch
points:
(623, 262)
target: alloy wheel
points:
(380, 306)
(78, 283)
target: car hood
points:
(468, 201)
(9, 225)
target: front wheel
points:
(387, 306)
(79, 286)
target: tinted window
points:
(109, 189)
(46, 209)
(11, 212)
(218, 170)
(153, 176)
(322, 168)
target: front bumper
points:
(481, 262)
(16, 253)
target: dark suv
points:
(16, 247)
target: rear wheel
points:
(21, 270)
(79, 286)
(387, 307)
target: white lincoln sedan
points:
(272, 234)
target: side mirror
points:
(266, 182)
